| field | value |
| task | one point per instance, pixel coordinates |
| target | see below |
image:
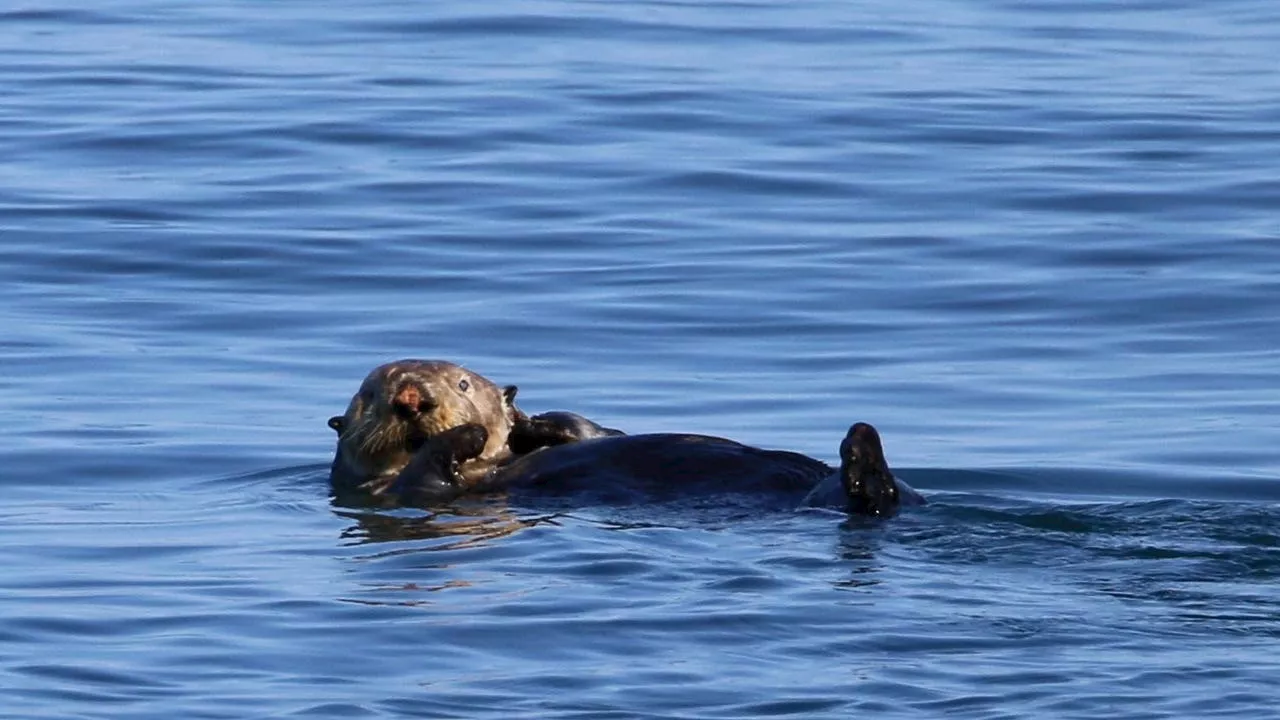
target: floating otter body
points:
(403, 405)
(655, 465)
(428, 431)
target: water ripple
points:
(1033, 242)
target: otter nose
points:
(410, 401)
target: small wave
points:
(1086, 484)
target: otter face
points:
(869, 486)
(402, 404)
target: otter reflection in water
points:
(463, 525)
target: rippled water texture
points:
(1033, 242)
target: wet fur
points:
(616, 467)
(378, 435)
(554, 428)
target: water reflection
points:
(411, 590)
(467, 524)
(859, 551)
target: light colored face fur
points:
(402, 403)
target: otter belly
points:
(655, 466)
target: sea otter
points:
(402, 405)
(652, 465)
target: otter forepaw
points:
(463, 442)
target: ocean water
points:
(1034, 242)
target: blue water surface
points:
(1033, 242)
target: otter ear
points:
(509, 394)
(338, 423)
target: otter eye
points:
(463, 385)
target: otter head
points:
(869, 486)
(402, 404)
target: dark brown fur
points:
(613, 467)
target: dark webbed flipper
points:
(554, 428)
(869, 486)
